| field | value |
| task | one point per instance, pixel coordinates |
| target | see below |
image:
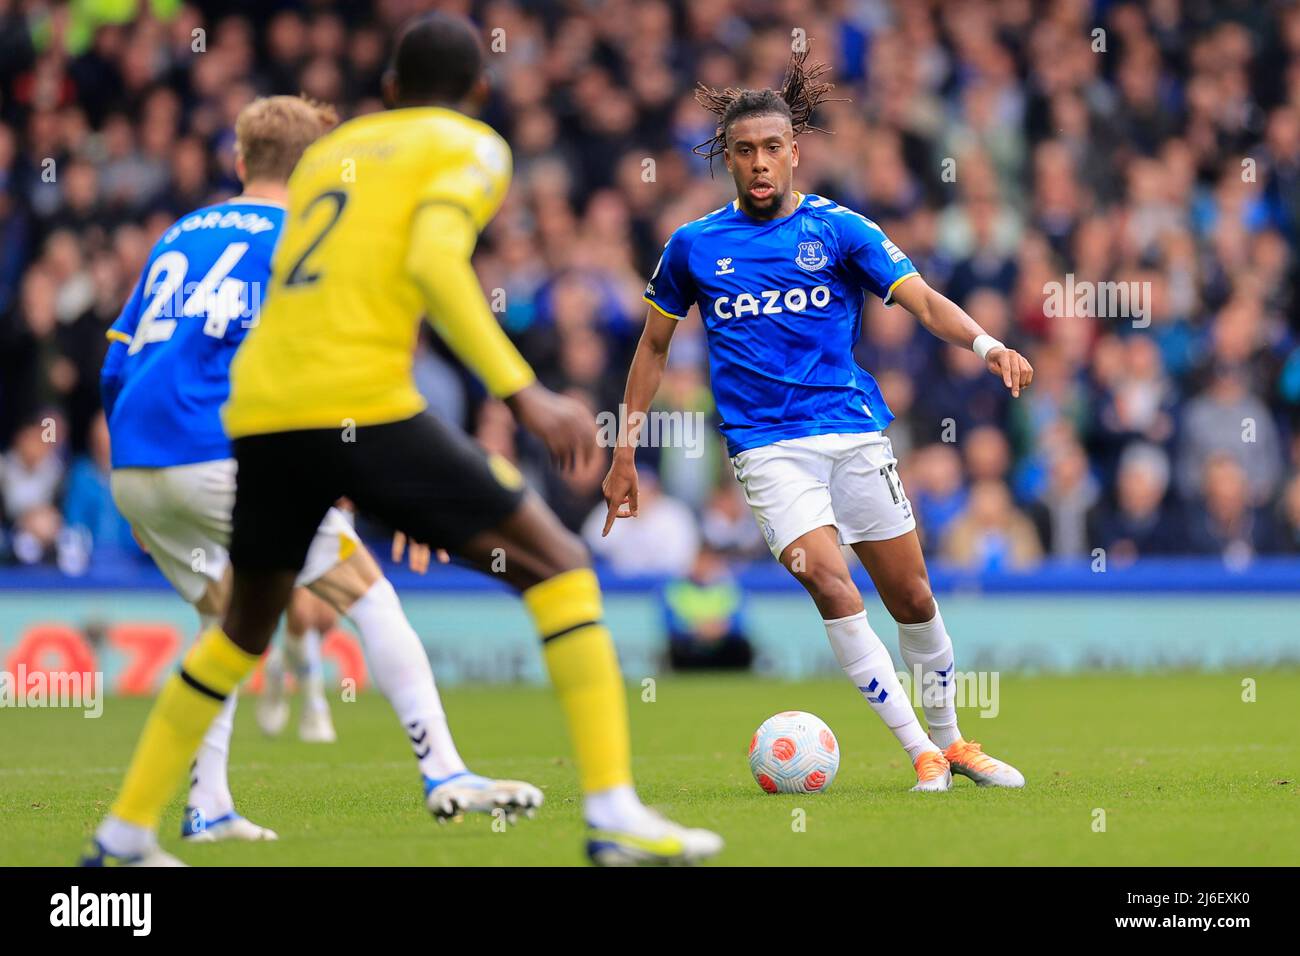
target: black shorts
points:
(418, 476)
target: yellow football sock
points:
(189, 702)
(566, 610)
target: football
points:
(794, 752)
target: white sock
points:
(867, 663)
(928, 648)
(273, 667)
(617, 808)
(125, 839)
(402, 673)
(209, 786)
(295, 650)
(305, 658)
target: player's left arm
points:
(442, 241)
(950, 322)
(119, 335)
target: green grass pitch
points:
(1186, 772)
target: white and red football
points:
(794, 752)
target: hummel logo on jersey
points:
(811, 256)
(724, 267)
(771, 302)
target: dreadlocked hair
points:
(802, 91)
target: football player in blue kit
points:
(779, 278)
(164, 381)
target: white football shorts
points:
(848, 481)
(182, 515)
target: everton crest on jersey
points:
(812, 255)
(781, 301)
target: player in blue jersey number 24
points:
(779, 279)
(164, 381)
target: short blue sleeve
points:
(671, 289)
(872, 261)
(123, 328)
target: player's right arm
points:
(619, 486)
(669, 293)
(882, 269)
(442, 240)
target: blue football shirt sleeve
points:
(119, 335)
(872, 261)
(671, 289)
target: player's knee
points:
(295, 618)
(564, 552)
(256, 602)
(249, 631)
(914, 603)
(831, 588)
(538, 559)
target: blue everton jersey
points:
(782, 302)
(167, 372)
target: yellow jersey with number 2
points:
(335, 340)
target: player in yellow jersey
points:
(174, 479)
(383, 216)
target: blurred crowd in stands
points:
(1003, 144)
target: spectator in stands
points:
(1139, 522)
(29, 490)
(728, 526)
(1061, 514)
(892, 339)
(41, 374)
(985, 453)
(1288, 521)
(934, 482)
(992, 535)
(690, 455)
(14, 227)
(1226, 524)
(1227, 419)
(962, 391)
(990, 267)
(1058, 403)
(1137, 399)
(899, 391)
